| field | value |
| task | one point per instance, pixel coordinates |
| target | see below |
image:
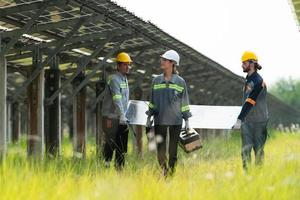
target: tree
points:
(287, 90)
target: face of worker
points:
(123, 68)
(247, 66)
(165, 64)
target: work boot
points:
(165, 172)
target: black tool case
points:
(190, 140)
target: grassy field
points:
(215, 172)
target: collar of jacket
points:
(123, 77)
(172, 80)
(251, 76)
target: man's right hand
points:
(123, 120)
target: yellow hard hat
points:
(248, 55)
(123, 57)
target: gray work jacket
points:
(169, 101)
(116, 96)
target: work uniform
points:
(254, 115)
(169, 104)
(115, 102)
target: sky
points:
(223, 29)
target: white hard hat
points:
(171, 55)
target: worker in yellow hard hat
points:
(250, 57)
(253, 117)
(114, 121)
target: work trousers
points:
(116, 139)
(161, 144)
(254, 136)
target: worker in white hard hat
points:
(169, 104)
(114, 122)
(253, 118)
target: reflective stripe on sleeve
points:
(151, 105)
(123, 85)
(251, 101)
(185, 108)
(117, 97)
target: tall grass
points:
(214, 172)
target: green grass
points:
(214, 172)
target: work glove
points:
(149, 122)
(187, 125)
(123, 120)
(237, 124)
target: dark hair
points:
(256, 65)
(174, 71)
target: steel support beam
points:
(82, 39)
(8, 122)
(98, 66)
(41, 66)
(3, 94)
(24, 29)
(79, 119)
(138, 94)
(53, 111)
(29, 6)
(35, 140)
(100, 86)
(53, 25)
(16, 122)
(82, 64)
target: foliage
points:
(214, 172)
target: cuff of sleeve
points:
(240, 117)
(149, 113)
(186, 115)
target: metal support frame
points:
(8, 122)
(53, 25)
(3, 93)
(29, 6)
(100, 87)
(100, 64)
(138, 95)
(25, 29)
(41, 66)
(82, 38)
(35, 140)
(82, 65)
(16, 122)
(79, 119)
(53, 111)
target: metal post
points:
(3, 92)
(35, 142)
(53, 111)
(79, 119)
(16, 125)
(40, 66)
(8, 122)
(138, 93)
(70, 122)
(24, 119)
(100, 86)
